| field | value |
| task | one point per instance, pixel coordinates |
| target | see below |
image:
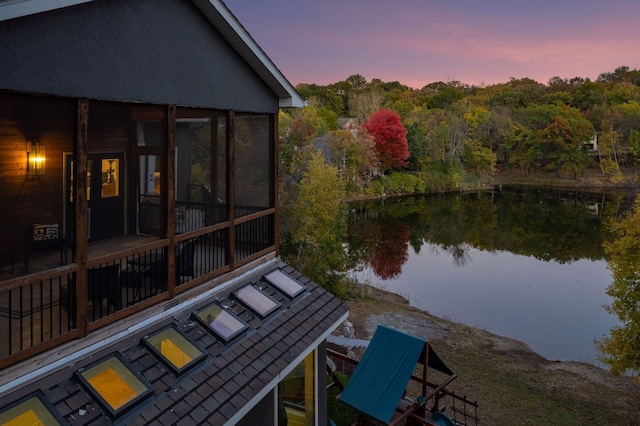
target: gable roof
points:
(232, 379)
(382, 375)
(220, 17)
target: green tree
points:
(313, 225)
(621, 350)
(417, 141)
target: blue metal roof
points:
(382, 375)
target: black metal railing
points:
(31, 310)
(253, 236)
(40, 307)
(201, 255)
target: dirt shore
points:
(513, 384)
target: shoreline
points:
(505, 375)
(592, 180)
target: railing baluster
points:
(9, 321)
(20, 316)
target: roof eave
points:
(233, 31)
(218, 14)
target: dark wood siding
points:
(26, 199)
(109, 127)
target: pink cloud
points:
(420, 41)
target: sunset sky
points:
(417, 42)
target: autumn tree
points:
(390, 137)
(621, 350)
(353, 153)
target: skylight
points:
(113, 384)
(30, 410)
(174, 349)
(222, 323)
(256, 300)
(285, 283)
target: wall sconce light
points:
(36, 159)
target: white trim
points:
(273, 383)
(18, 8)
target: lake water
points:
(526, 264)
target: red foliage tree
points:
(390, 137)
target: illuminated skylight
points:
(113, 385)
(174, 349)
(285, 283)
(30, 410)
(256, 300)
(222, 323)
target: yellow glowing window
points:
(113, 385)
(174, 349)
(31, 410)
(222, 323)
(257, 301)
(285, 283)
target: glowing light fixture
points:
(36, 159)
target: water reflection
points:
(526, 263)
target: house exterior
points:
(138, 183)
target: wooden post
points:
(80, 194)
(274, 190)
(171, 199)
(231, 246)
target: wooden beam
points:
(80, 198)
(276, 161)
(231, 201)
(171, 200)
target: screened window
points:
(253, 157)
(201, 169)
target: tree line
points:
(401, 139)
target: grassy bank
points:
(513, 384)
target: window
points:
(257, 301)
(113, 384)
(222, 323)
(30, 410)
(253, 156)
(110, 178)
(297, 394)
(285, 283)
(174, 349)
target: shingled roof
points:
(231, 379)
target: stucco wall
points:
(152, 51)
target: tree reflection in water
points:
(558, 231)
(621, 350)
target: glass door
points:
(105, 196)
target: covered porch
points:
(128, 205)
